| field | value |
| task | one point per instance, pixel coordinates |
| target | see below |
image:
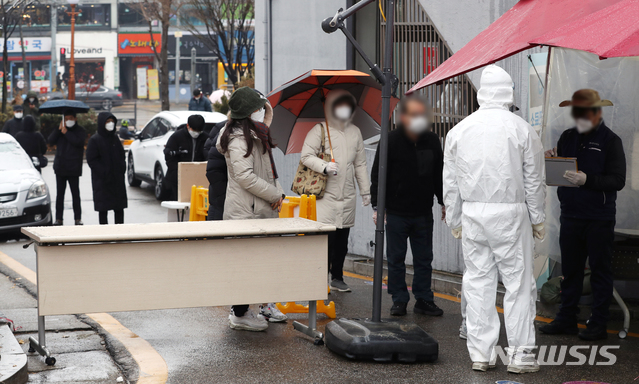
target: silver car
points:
(24, 196)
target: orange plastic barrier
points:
(199, 203)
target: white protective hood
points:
(496, 88)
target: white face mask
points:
(418, 125)
(69, 123)
(194, 134)
(110, 126)
(343, 112)
(18, 115)
(259, 115)
(583, 125)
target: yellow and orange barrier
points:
(199, 203)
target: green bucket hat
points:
(244, 101)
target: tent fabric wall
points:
(616, 79)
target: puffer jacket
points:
(251, 186)
(337, 207)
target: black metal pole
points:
(383, 159)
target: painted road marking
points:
(152, 367)
(499, 309)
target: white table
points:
(179, 207)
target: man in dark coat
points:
(183, 146)
(14, 125)
(199, 102)
(69, 140)
(588, 214)
(415, 164)
(32, 142)
(105, 156)
(216, 173)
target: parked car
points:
(94, 95)
(24, 196)
(145, 161)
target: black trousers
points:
(337, 250)
(118, 213)
(61, 187)
(240, 310)
(579, 240)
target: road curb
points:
(13, 360)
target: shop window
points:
(36, 15)
(89, 16)
(129, 15)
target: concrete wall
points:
(299, 42)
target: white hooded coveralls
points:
(494, 188)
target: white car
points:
(145, 160)
(24, 196)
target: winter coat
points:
(216, 173)
(105, 156)
(337, 207)
(414, 174)
(202, 104)
(35, 110)
(69, 151)
(13, 126)
(601, 157)
(181, 147)
(251, 186)
(31, 140)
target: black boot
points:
(559, 328)
(594, 332)
(427, 308)
(398, 309)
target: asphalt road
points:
(199, 347)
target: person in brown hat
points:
(588, 213)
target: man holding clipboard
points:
(592, 160)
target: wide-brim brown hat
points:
(586, 98)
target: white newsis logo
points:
(565, 355)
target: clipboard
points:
(556, 167)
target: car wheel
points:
(159, 183)
(130, 173)
(107, 104)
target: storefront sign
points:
(154, 84)
(31, 44)
(537, 77)
(186, 43)
(138, 43)
(142, 90)
(116, 72)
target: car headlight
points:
(38, 189)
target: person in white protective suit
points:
(494, 192)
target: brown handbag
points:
(309, 182)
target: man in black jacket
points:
(415, 163)
(216, 173)
(588, 213)
(183, 146)
(69, 140)
(14, 125)
(32, 141)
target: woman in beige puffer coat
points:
(337, 206)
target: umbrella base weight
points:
(386, 341)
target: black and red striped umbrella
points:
(299, 105)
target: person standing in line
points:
(14, 125)
(588, 214)
(69, 140)
(337, 206)
(216, 173)
(32, 107)
(33, 142)
(200, 103)
(415, 162)
(185, 145)
(253, 191)
(494, 191)
(105, 156)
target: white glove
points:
(366, 200)
(576, 178)
(332, 167)
(457, 232)
(539, 231)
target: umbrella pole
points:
(328, 132)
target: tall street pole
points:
(54, 53)
(193, 53)
(178, 35)
(71, 87)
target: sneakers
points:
(271, 313)
(248, 322)
(523, 363)
(398, 309)
(482, 366)
(463, 330)
(594, 333)
(340, 286)
(57, 223)
(559, 328)
(427, 308)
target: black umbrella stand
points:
(374, 338)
